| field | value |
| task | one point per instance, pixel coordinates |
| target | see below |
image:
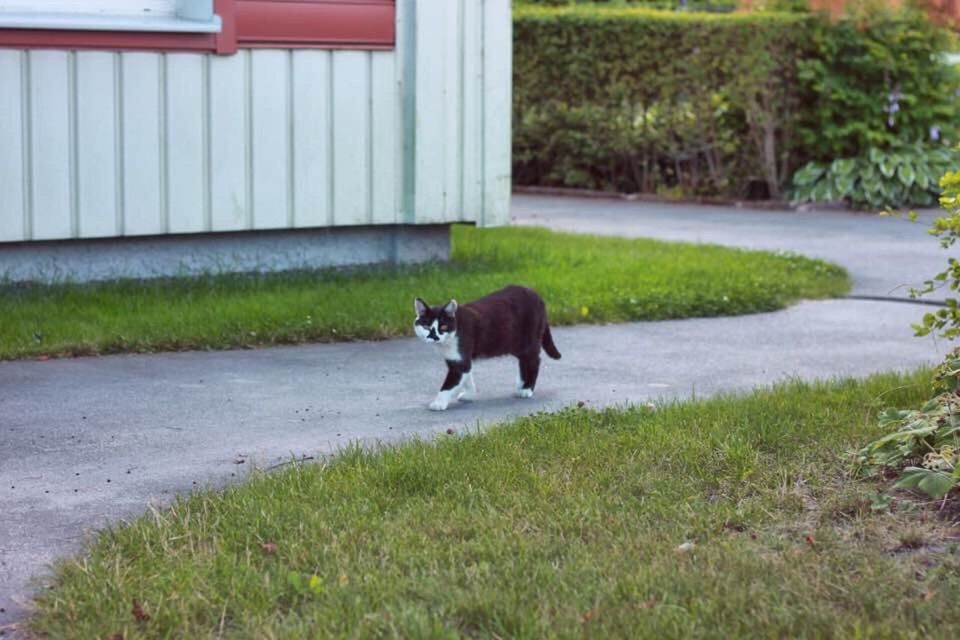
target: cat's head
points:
(435, 325)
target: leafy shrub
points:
(615, 96)
(630, 99)
(877, 79)
(946, 321)
(906, 176)
(927, 441)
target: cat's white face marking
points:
(424, 332)
(447, 342)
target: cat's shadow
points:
(484, 404)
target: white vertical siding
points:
(228, 149)
(472, 120)
(270, 139)
(101, 144)
(96, 135)
(185, 140)
(51, 160)
(384, 143)
(312, 142)
(143, 150)
(15, 210)
(497, 47)
(463, 111)
(351, 137)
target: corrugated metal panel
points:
(100, 144)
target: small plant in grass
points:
(925, 443)
(907, 175)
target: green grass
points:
(564, 525)
(583, 279)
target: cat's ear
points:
(420, 306)
(451, 308)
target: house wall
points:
(102, 144)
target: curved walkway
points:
(85, 442)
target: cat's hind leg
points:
(529, 370)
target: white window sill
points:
(94, 22)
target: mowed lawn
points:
(583, 279)
(564, 525)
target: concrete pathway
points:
(89, 441)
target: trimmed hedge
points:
(636, 100)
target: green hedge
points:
(631, 99)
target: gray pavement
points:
(89, 441)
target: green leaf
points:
(887, 167)
(843, 185)
(843, 166)
(906, 174)
(295, 580)
(808, 175)
(935, 484)
(822, 192)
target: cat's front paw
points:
(524, 393)
(438, 405)
(468, 396)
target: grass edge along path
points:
(584, 279)
(555, 525)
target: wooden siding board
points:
(50, 145)
(351, 131)
(271, 140)
(311, 151)
(96, 145)
(142, 165)
(13, 212)
(383, 137)
(186, 193)
(228, 143)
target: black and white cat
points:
(511, 321)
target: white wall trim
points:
(102, 22)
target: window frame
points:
(284, 24)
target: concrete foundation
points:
(196, 254)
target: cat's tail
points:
(548, 345)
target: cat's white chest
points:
(449, 349)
